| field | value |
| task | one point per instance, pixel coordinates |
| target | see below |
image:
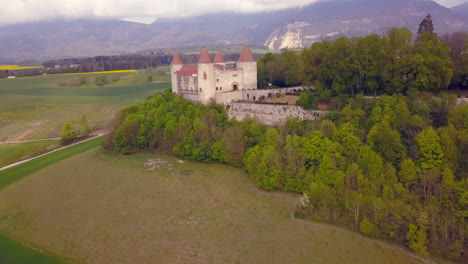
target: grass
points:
(9, 176)
(11, 153)
(97, 207)
(12, 252)
(36, 107)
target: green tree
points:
(417, 240)
(68, 134)
(386, 141)
(292, 67)
(84, 129)
(430, 151)
(366, 227)
(408, 173)
(432, 62)
(396, 51)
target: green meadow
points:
(10, 153)
(36, 107)
(98, 207)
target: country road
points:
(55, 150)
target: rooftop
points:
(246, 55)
(177, 60)
(204, 57)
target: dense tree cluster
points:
(393, 168)
(373, 64)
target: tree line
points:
(393, 168)
(394, 63)
(120, 62)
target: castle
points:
(213, 79)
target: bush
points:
(101, 80)
(68, 134)
(61, 82)
(366, 227)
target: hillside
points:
(462, 9)
(291, 28)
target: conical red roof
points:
(219, 58)
(177, 60)
(204, 57)
(246, 55)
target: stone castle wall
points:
(271, 114)
(252, 95)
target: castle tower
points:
(206, 77)
(176, 65)
(248, 64)
(219, 59)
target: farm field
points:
(98, 207)
(36, 107)
(11, 153)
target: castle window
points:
(204, 75)
(221, 88)
(200, 89)
(216, 88)
(217, 80)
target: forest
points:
(393, 168)
(372, 65)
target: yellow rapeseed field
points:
(17, 67)
(122, 71)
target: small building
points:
(213, 79)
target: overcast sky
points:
(18, 11)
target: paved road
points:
(24, 161)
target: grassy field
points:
(13, 152)
(12, 252)
(97, 207)
(14, 174)
(36, 107)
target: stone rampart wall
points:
(271, 114)
(252, 95)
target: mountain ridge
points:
(289, 28)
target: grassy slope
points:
(11, 252)
(102, 208)
(14, 174)
(14, 152)
(36, 107)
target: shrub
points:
(68, 134)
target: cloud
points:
(19, 11)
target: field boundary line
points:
(55, 150)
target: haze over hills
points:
(462, 9)
(290, 28)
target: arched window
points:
(204, 75)
(216, 88)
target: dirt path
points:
(27, 160)
(27, 141)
